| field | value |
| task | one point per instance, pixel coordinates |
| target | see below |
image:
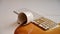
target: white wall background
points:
(50, 9)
